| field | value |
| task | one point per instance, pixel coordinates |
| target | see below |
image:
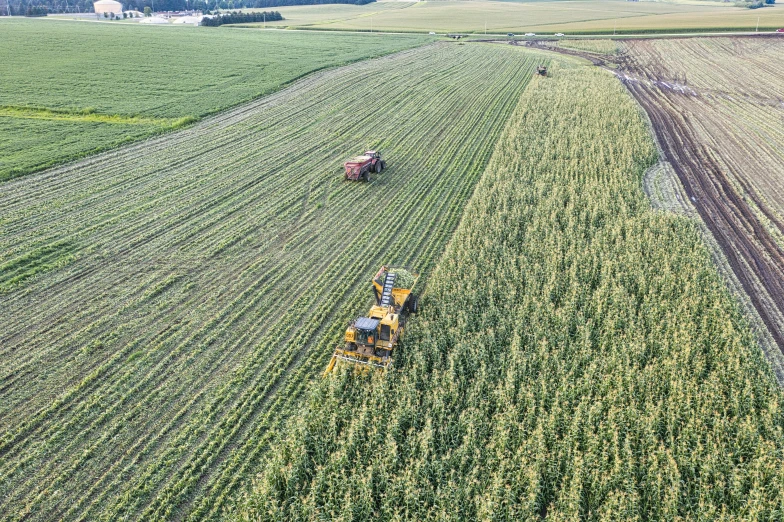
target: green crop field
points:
(169, 302)
(70, 88)
(569, 16)
(577, 356)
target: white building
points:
(107, 6)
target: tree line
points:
(21, 7)
(241, 18)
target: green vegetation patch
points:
(138, 75)
(38, 260)
(30, 144)
(591, 46)
(577, 356)
(87, 115)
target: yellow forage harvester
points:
(371, 340)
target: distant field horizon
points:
(544, 16)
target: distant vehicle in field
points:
(530, 34)
(360, 167)
(541, 70)
(559, 34)
(431, 32)
(510, 34)
(780, 30)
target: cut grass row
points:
(211, 276)
(577, 356)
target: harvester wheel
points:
(378, 167)
(413, 305)
(365, 177)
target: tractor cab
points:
(373, 154)
(375, 335)
(388, 332)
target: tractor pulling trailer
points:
(371, 341)
(359, 168)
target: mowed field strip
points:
(93, 86)
(168, 302)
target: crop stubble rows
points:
(208, 274)
(716, 106)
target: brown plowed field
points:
(717, 108)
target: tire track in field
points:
(709, 162)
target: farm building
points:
(107, 6)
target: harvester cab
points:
(541, 70)
(371, 340)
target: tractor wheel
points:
(378, 167)
(383, 164)
(364, 177)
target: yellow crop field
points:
(568, 16)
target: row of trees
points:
(38, 10)
(22, 7)
(43, 7)
(241, 18)
(756, 4)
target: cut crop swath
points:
(214, 271)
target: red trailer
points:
(359, 168)
(780, 30)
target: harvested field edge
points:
(169, 125)
(739, 262)
(673, 199)
(754, 299)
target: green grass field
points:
(589, 16)
(169, 302)
(162, 74)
